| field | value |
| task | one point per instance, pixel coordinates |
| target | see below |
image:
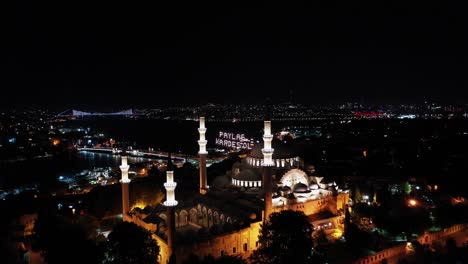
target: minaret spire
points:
(202, 154)
(267, 162)
(170, 186)
(125, 181)
(170, 203)
(170, 165)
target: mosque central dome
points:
(284, 154)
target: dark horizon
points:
(113, 107)
(165, 54)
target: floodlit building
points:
(226, 221)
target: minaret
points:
(125, 182)
(267, 165)
(170, 203)
(202, 153)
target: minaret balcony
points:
(267, 151)
(202, 130)
(170, 203)
(170, 186)
(125, 180)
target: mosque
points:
(226, 220)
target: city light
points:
(337, 234)
(412, 202)
(139, 204)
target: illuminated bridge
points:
(176, 157)
(78, 113)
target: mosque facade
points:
(226, 221)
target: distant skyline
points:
(83, 54)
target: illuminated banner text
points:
(234, 140)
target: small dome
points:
(276, 199)
(323, 186)
(285, 190)
(314, 187)
(300, 187)
(282, 150)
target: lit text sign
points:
(234, 140)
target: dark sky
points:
(74, 53)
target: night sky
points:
(79, 53)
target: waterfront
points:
(176, 136)
(162, 135)
(45, 171)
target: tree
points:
(147, 191)
(89, 224)
(285, 238)
(357, 194)
(347, 224)
(407, 188)
(62, 241)
(320, 237)
(130, 243)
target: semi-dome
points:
(282, 150)
(247, 178)
(300, 188)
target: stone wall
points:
(402, 250)
(163, 257)
(138, 221)
(239, 243)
